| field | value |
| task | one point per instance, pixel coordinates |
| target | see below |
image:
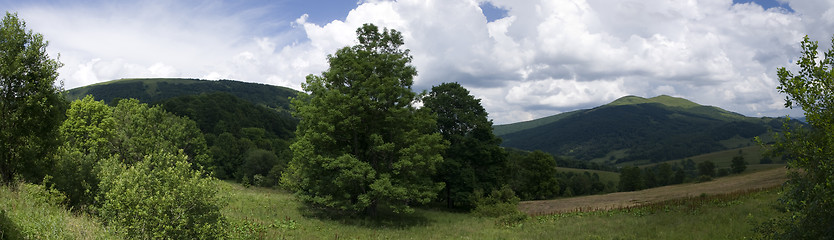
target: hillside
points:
(237, 119)
(765, 179)
(151, 90)
(634, 128)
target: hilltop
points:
(152, 90)
(637, 129)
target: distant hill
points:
(151, 90)
(637, 129)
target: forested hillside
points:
(150, 90)
(247, 126)
(633, 128)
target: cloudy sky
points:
(524, 59)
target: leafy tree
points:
(30, 103)
(361, 142)
(143, 130)
(706, 168)
(630, 179)
(259, 162)
(679, 177)
(161, 197)
(86, 135)
(534, 176)
(664, 174)
(474, 159)
(809, 195)
(738, 165)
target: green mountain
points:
(247, 126)
(637, 129)
(152, 90)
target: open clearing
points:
(756, 180)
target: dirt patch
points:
(757, 180)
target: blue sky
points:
(524, 59)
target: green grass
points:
(31, 212)
(273, 214)
(259, 213)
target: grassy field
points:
(272, 214)
(259, 213)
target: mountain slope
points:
(633, 128)
(151, 90)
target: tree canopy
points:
(473, 160)
(809, 196)
(31, 106)
(361, 142)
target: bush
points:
(501, 204)
(161, 197)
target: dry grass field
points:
(757, 180)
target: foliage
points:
(86, 135)
(533, 176)
(630, 179)
(161, 197)
(360, 141)
(143, 130)
(31, 106)
(738, 165)
(219, 112)
(706, 168)
(473, 160)
(153, 90)
(809, 194)
(499, 202)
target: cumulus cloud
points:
(543, 57)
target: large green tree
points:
(30, 103)
(533, 175)
(809, 151)
(361, 142)
(474, 159)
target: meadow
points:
(262, 213)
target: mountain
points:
(637, 129)
(152, 90)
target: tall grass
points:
(29, 211)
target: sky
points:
(524, 59)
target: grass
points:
(31, 212)
(274, 214)
(259, 213)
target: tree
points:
(361, 142)
(86, 135)
(30, 103)
(809, 194)
(474, 159)
(706, 168)
(534, 176)
(738, 165)
(630, 179)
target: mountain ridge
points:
(636, 129)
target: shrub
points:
(161, 197)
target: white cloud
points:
(544, 57)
